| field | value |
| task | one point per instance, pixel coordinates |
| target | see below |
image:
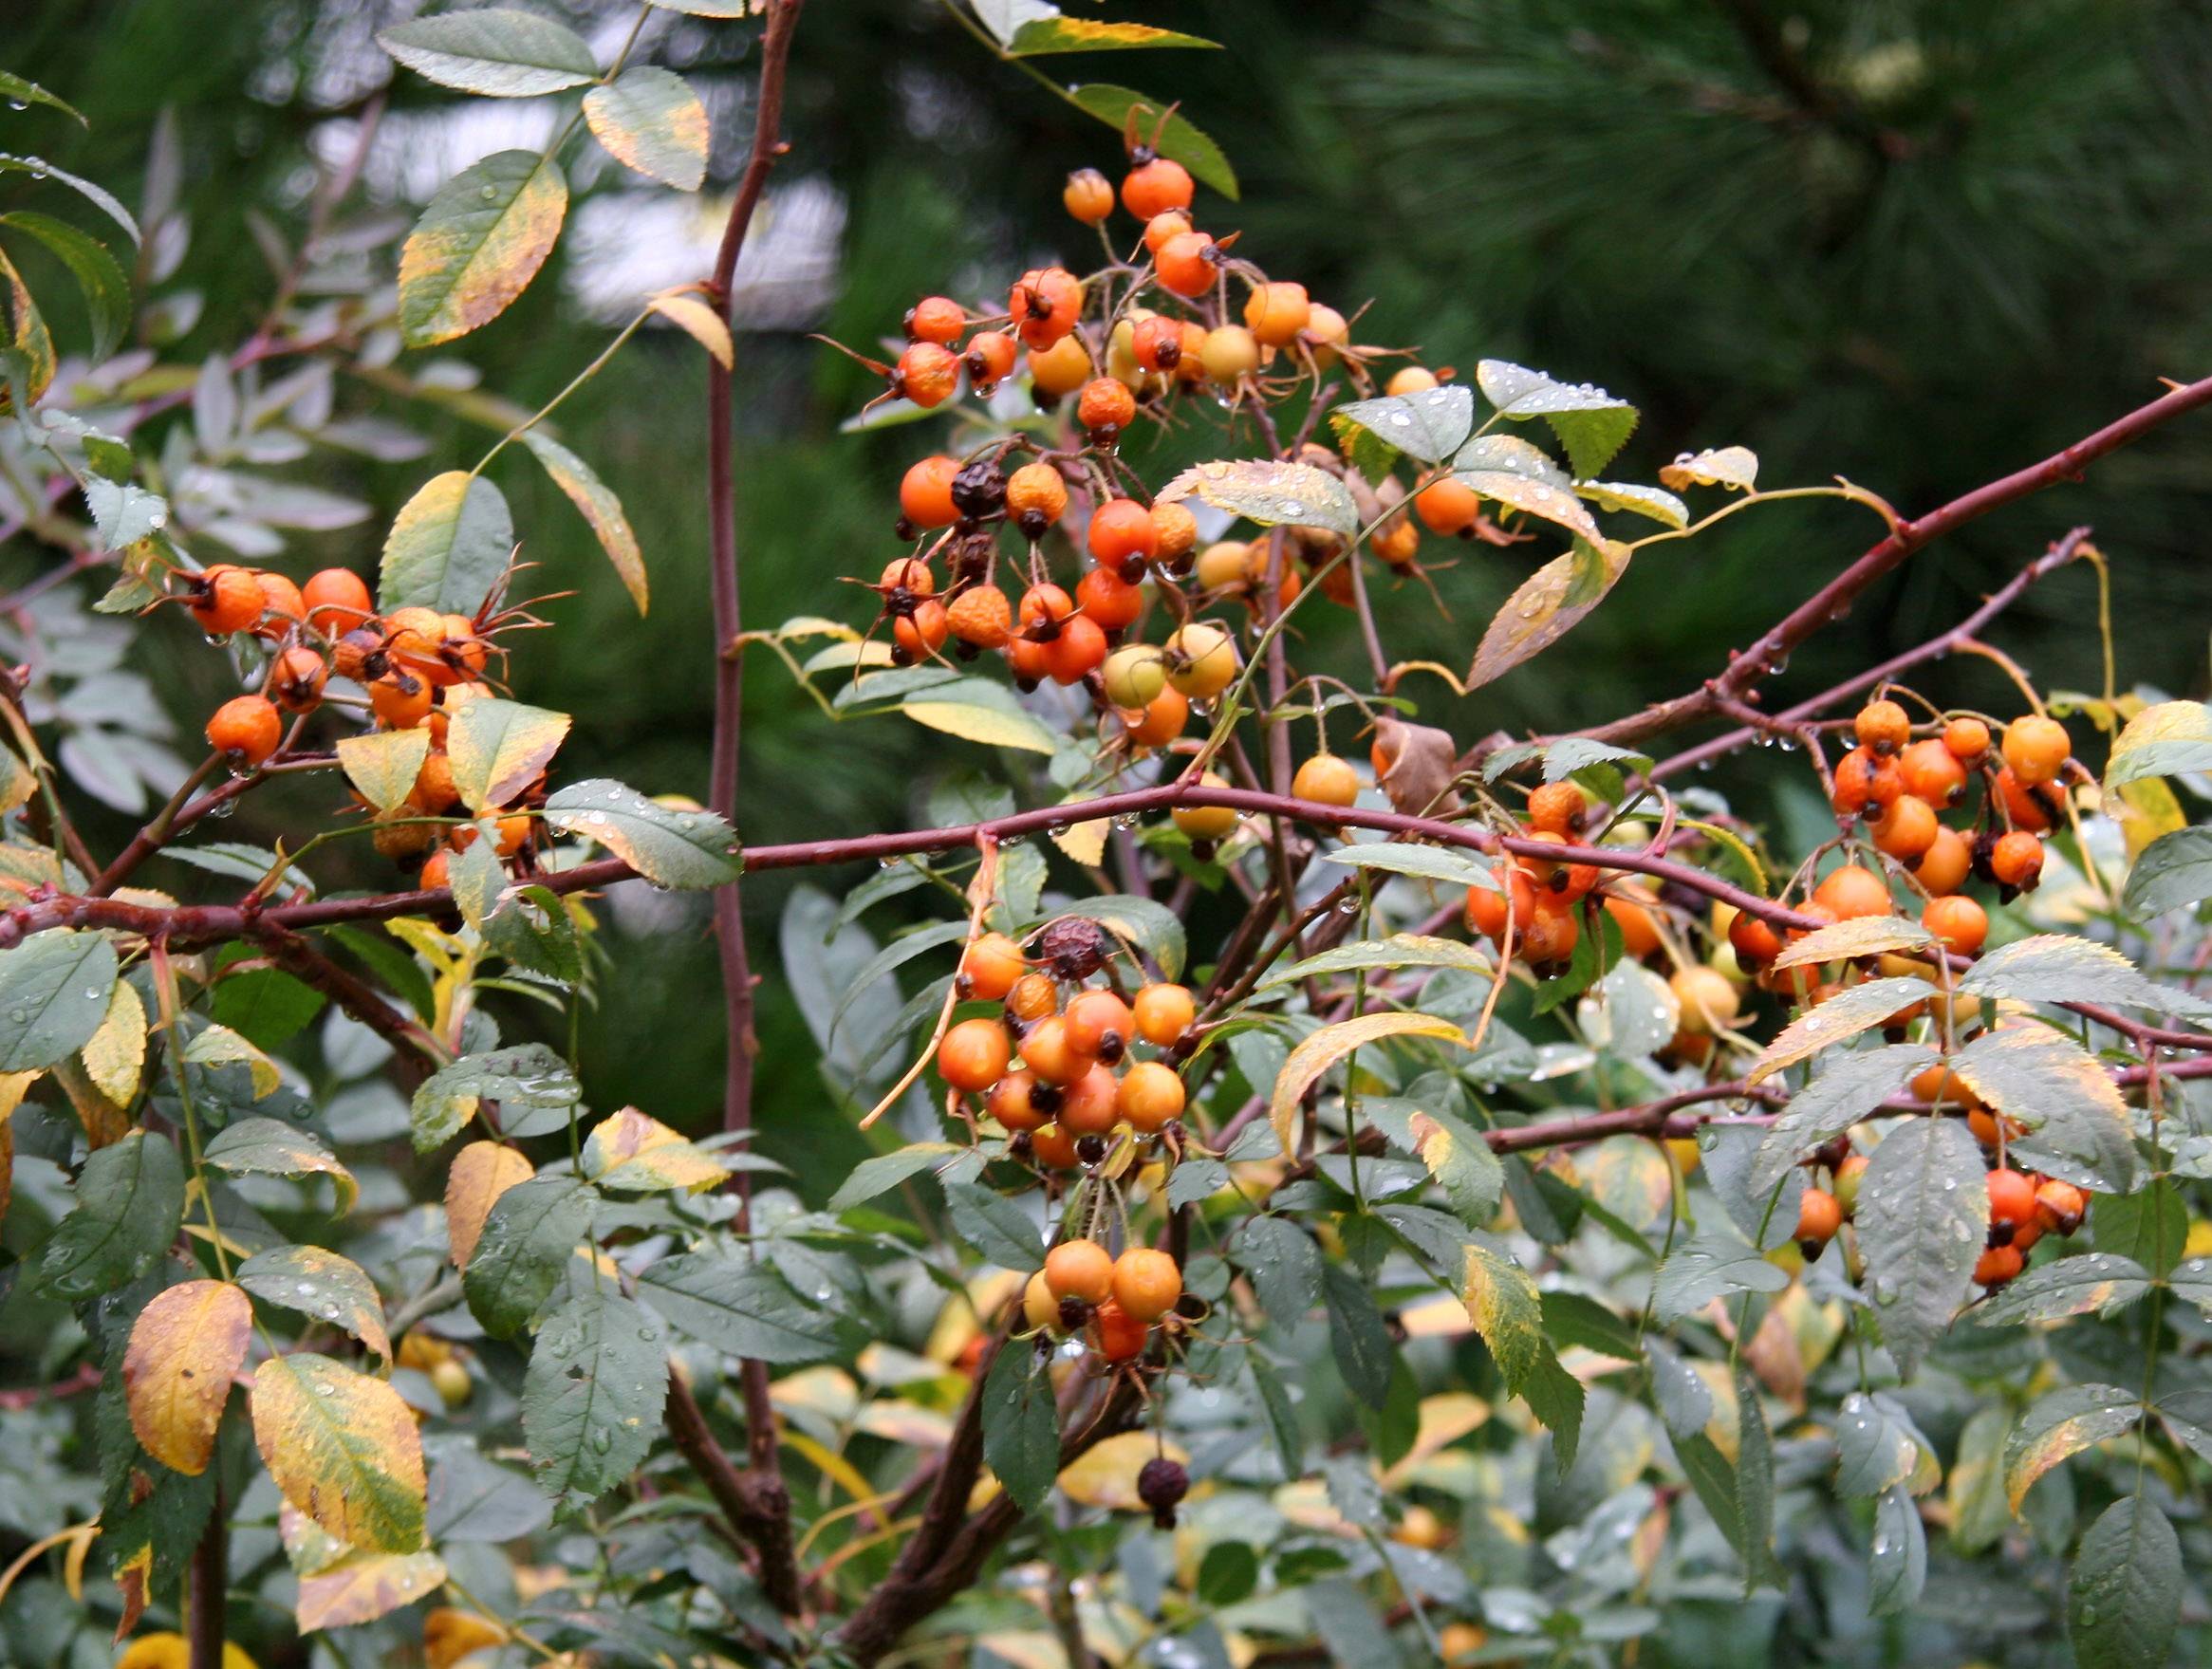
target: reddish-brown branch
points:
(1833, 598)
(190, 925)
(210, 1583)
(2061, 552)
(297, 956)
(86, 1377)
(768, 1521)
(758, 1508)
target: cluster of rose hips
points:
(417, 665)
(1061, 1079)
(2023, 1206)
(951, 594)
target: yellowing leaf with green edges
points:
(1728, 465)
(2062, 1424)
(650, 119)
(700, 321)
(362, 1587)
(1845, 1014)
(481, 1173)
(342, 1448)
(184, 1348)
(448, 546)
(1550, 603)
(498, 747)
(28, 335)
(382, 765)
(1040, 35)
(322, 1284)
(1105, 1473)
(1862, 936)
(636, 1154)
(218, 1046)
(478, 244)
(598, 505)
(2146, 810)
(116, 1053)
(1322, 1051)
(1502, 1302)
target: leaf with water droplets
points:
(2169, 739)
(185, 1345)
(1525, 477)
(1660, 506)
(1897, 1568)
(1502, 1302)
(497, 748)
(529, 1237)
(1734, 467)
(115, 1055)
(1861, 936)
(633, 1153)
(481, 1173)
(1852, 1084)
(362, 1587)
(674, 846)
(448, 546)
(1428, 426)
(1591, 423)
(129, 1201)
(730, 1302)
(527, 1078)
(1923, 1216)
(1549, 604)
(1843, 1015)
(1270, 493)
(1021, 1424)
(494, 50)
(1712, 1266)
(53, 996)
(2078, 1128)
(320, 1284)
(276, 1149)
(592, 1394)
(479, 243)
(344, 1448)
(1325, 1048)
(2061, 968)
(1879, 1447)
(2095, 1281)
(2061, 1424)
(2172, 872)
(2125, 1599)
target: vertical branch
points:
(209, 1579)
(769, 1526)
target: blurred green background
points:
(1917, 245)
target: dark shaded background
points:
(1917, 245)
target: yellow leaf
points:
(481, 1173)
(382, 765)
(1726, 465)
(184, 1348)
(115, 1053)
(1330, 1045)
(634, 1152)
(1444, 1419)
(448, 1635)
(165, 1650)
(342, 1448)
(1105, 1473)
(702, 323)
(2146, 809)
(363, 1586)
